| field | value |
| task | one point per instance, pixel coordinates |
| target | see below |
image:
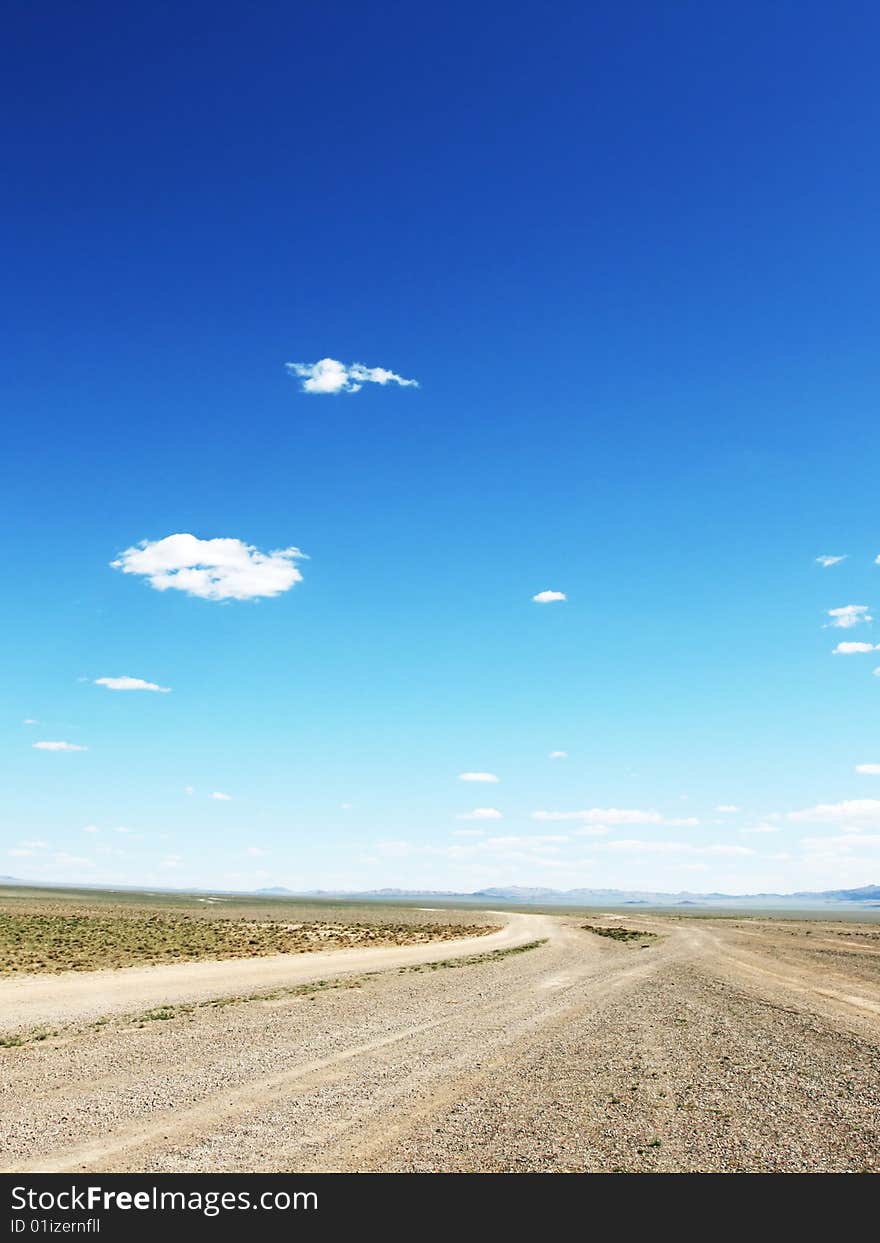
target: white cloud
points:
(827, 561)
(603, 815)
(130, 684)
(851, 649)
(548, 597)
(726, 808)
(468, 832)
(761, 828)
(868, 770)
(122, 829)
(657, 847)
(877, 672)
(189, 789)
(221, 797)
(214, 569)
(255, 852)
(91, 828)
(29, 720)
(850, 811)
(842, 844)
(850, 615)
(481, 813)
(558, 755)
(490, 777)
(58, 746)
(328, 375)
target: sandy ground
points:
(725, 1045)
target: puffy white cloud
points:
(761, 828)
(850, 615)
(489, 777)
(827, 561)
(328, 375)
(481, 813)
(868, 770)
(548, 597)
(558, 755)
(189, 789)
(603, 815)
(852, 649)
(214, 569)
(130, 684)
(29, 720)
(58, 746)
(850, 811)
(91, 828)
(221, 797)
(727, 808)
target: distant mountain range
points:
(867, 895)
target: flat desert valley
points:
(188, 1037)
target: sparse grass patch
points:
(56, 939)
(471, 960)
(621, 934)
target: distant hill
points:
(277, 891)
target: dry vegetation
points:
(617, 933)
(85, 932)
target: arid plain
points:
(302, 1037)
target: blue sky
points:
(630, 259)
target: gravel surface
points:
(723, 1045)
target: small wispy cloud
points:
(481, 813)
(558, 755)
(487, 777)
(131, 684)
(850, 615)
(868, 770)
(256, 852)
(727, 808)
(549, 597)
(851, 649)
(221, 797)
(329, 375)
(29, 720)
(849, 811)
(603, 815)
(213, 569)
(189, 789)
(58, 746)
(827, 561)
(760, 828)
(91, 828)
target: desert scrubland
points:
(520, 1042)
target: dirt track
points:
(726, 1045)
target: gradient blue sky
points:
(629, 253)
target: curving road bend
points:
(724, 1045)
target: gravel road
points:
(723, 1045)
